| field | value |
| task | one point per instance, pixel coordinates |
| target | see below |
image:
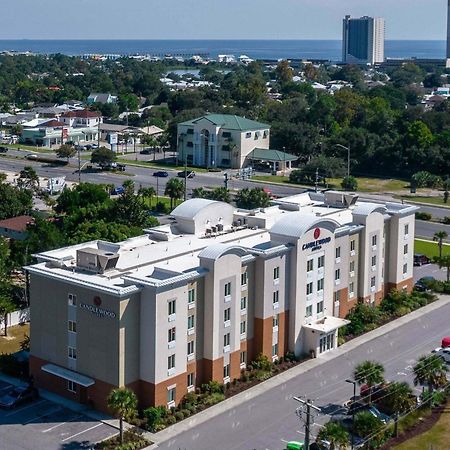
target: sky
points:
(214, 19)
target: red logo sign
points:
(97, 301)
(316, 233)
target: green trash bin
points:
(295, 445)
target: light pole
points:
(353, 411)
(348, 156)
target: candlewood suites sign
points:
(95, 309)
(317, 243)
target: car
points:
(94, 146)
(117, 190)
(378, 414)
(17, 396)
(423, 284)
(31, 156)
(3, 149)
(88, 147)
(420, 260)
(146, 151)
(161, 174)
(443, 353)
(186, 173)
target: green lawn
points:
(271, 178)
(430, 200)
(157, 165)
(429, 248)
(32, 148)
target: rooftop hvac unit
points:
(220, 227)
(214, 229)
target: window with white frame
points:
(171, 335)
(374, 260)
(191, 322)
(321, 262)
(227, 314)
(308, 312)
(275, 320)
(337, 274)
(191, 296)
(72, 352)
(405, 268)
(171, 362)
(310, 265)
(227, 289)
(243, 303)
(190, 379)
(243, 327)
(405, 249)
(309, 288)
(320, 307)
(275, 349)
(337, 296)
(71, 386)
(226, 339)
(352, 245)
(351, 287)
(374, 240)
(407, 229)
(72, 325)
(72, 299)
(352, 266)
(320, 284)
(171, 395)
(372, 282)
(276, 297)
(244, 278)
(171, 307)
(276, 273)
(190, 348)
(243, 357)
(338, 252)
(226, 371)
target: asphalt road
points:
(427, 229)
(269, 421)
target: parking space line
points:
(81, 432)
(59, 408)
(62, 423)
(24, 408)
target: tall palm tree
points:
(430, 371)
(147, 192)
(335, 434)
(440, 236)
(174, 190)
(399, 397)
(369, 373)
(124, 404)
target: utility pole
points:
(79, 166)
(308, 404)
(226, 179)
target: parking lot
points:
(43, 424)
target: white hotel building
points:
(198, 299)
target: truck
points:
(55, 185)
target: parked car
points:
(17, 396)
(187, 173)
(420, 260)
(31, 156)
(161, 174)
(3, 149)
(117, 190)
(444, 353)
(423, 284)
(146, 151)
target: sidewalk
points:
(294, 372)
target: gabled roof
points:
(82, 114)
(18, 223)
(230, 122)
(265, 154)
(52, 123)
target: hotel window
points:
(171, 307)
(351, 287)
(352, 266)
(244, 278)
(171, 362)
(309, 288)
(310, 265)
(276, 297)
(171, 335)
(320, 284)
(226, 371)
(190, 348)
(72, 352)
(243, 303)
(71, 386)
(352, 245)
(227, 289)
(374, 261)
(191, 296)
(337, 296)
(226, 340)
(72, 326)
(275, 350)
(243, 327)
(243, 357)
(374, 240)
(337, 274)
(72, 299)
(321, 261)
(275, 320)
(372, 282)
(405, 268)
(190, 379)
(406, 229)
(308, 311)
(405, 249)
(227, 315)
(320, 307)
(191, 322)
(171, 395)
(338, 252)
(276, 273)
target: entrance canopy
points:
(327, 324)
(69, 375)
(264, 154)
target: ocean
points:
(256, 49)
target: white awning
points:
(67, 374)
(327, 324)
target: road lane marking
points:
(25, 407)
(81, 432)
(62, 423)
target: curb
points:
(279, 379)
(432, 205)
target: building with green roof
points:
(228, 141)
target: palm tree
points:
(174, 190)
(367, 425)
(399, 397)
(335, 434)
(430, 371)
(444, 263)
(440, 236)
(124, 404)
(147, 192)
(369, 373)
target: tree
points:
(399, 397)
(444, 263)
(103, 156)
(174, 190)
(439, 237)
(28, 179)
(335, 434)
(369, 373)
(4, 258)
(419, 134)
(65, 151)
(252, 198)
(81, 196)
(349, 183)
(147, 192)
(430, 371)
(7, 304)
(284, 72)
(123, 402)
(220, 194)
(13, 201)
(367, 425)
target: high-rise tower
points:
(363, 40)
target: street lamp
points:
(348, 156)
(353, 410)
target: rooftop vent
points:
(95, 260)
(338, 199)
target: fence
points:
(18, 317)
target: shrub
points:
(423, 216)
(426, 179)
(162, 208)
(153, 416)
(446, 220)
(189, 399)
(170, 420)
(186, 412)
(244, 377)
(262, 363)
(213, 387)
(227, 386)
(235, 381)
(290, 356)
(349, 183)
(214, 398)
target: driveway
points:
(43, 424)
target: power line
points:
(308, 405)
